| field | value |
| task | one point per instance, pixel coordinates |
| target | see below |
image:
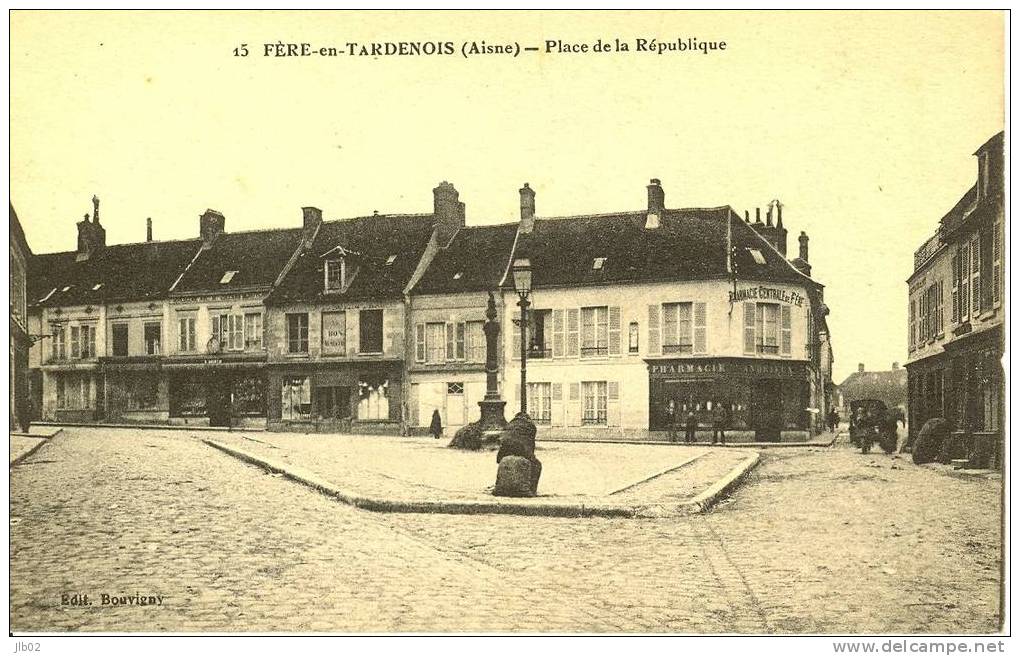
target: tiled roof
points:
(373, 241)
(122, 272)
(688, 244)
(475, 260)
(257, 257)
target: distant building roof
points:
(257, 257)
(688, 244)
(475, 260)
(371, 242)
(888, 386)
(122, 272)
(17, 233)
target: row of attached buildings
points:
(371, 324)
(956, 316)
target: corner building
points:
(638, 318)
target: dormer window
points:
(598, 263)
(391, 259)
(336, 274)
(227, 277)
(458, 275)
(756, 254)
(67, 288)
(97, 286)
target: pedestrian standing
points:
(671, 420)
(692, 425)
(719, 424)
(436, 427)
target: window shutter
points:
(700, 336)
(75, 346)
(450, 338)
(975, 283)
(749, 312)
(573, 333)
(613, 403)
(419, 342)
(557, 404)
(574, 405)
(955, 287)
(786, 332)
(996, 263)
(653, 330)
(614, 330)
(515, 353)
(460, 340)
(558, 330)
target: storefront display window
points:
(297, 399)
(373, 403)
(249, 396)
(143, 393)
(189, 399)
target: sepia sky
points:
(862, 124)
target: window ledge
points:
(296, 356)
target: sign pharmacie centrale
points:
(763, 293)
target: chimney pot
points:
(860, 368)
(803, 239)
(210, 224)
(448, 212)
(895, 366)
(757, 215)
(148, 229)
(656, 204)
(527, 209)
(311, 218)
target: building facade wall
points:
(440, 380)
(621, 373)
(334, 383)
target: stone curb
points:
(26, 454)
(728, 445)
(707, 499)
(219, 429)
(701, 503)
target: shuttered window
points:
(785, 331)
(614, 330)
(955, 289)
(558, 334)
(964, 283)
(573, 333)
(975, 276)
(996, 264)
(749, 321)
(700, 328)
(419, 342)
(654, 344)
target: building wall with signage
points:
(598, 377)
(72, 384)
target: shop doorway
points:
(766, 410)
(219, 401)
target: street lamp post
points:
(522, 285)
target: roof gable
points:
(475, 260)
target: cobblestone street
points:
(817, 540)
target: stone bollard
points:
(514, 477)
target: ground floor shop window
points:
(540, 402)
(333, 402)
(249, 396)
(74, 392)
(297, 399)
(188, 399)
(373, 402)
(595, 402)
(143, 393)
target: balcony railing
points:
(678, 348)
(594, 351)
(768, 348)
(539, 352)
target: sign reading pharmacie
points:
(716, 367)
(763, 293)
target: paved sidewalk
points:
(424, 475)
(23, 445)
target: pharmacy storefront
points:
(766, 400)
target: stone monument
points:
(488, 429)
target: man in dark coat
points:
(719, 421)
(692, 425)
(436, 427)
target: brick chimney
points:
(860, 368)
(91, 234)
(447, 211)
(656, 204)
(527, 209)
(895, 366)
(148, 229)
(801, 262)
(210, 225)
(772, 230)
(311, 220)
